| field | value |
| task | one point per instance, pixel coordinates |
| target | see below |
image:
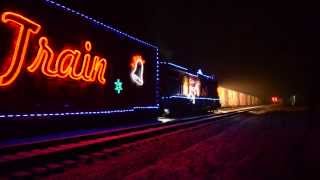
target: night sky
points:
(263, 48)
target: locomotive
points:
(57, 62)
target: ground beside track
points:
(278, 144)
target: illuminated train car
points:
(232, 98)
(56, 62)
(184, 91)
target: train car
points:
(233, 98)
(184, 91)
(56, 62)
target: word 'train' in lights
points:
(118, 86)
(137, 68)
(67, 63)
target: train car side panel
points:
(56, 61)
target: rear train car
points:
(232, 98)
(184, 91)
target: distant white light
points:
(200, 71)
(166, 111)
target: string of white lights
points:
(78, 113)
(185, 97)
(187, 71)
(93, 20)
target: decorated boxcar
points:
(56, 61)
(185, 91)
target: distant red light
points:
(274, 99)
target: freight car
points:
(233, 98)
(184, 91)
(57, 62)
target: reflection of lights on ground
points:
(213, 111)
(216, 111)
(236, 109)
(165, 120)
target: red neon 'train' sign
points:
(69, 63)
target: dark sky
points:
(264, 48)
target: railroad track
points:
(46, 157)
